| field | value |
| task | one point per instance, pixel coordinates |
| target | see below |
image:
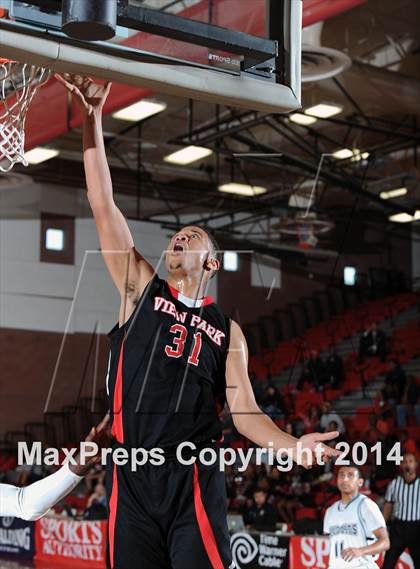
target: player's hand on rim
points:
(314, 443)
(90, 96)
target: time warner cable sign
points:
(17, 538)
(254, 550)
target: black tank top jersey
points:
(166, 377)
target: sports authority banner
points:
(312, 552)
(254, 550)
(307, 552)
(69, 541)
(17, 538)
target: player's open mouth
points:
(178, 249)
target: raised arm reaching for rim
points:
(128, 269)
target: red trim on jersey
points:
(117, 425)
(113, 515)
(206, 531)
(204, 301)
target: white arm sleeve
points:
(34, 501)
(372, 515)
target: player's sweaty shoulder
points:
(134, 290)
(138, 274)
(136, 286)
(142, 275)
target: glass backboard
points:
(211, 50)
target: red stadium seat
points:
(237, 444)
(310, 513)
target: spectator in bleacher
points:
(332, 427)
(228, 428)
(287, 501)
(250, 477)
(237, 493)
(409, 404)
(328, 416)
(264, 484)
(8, 461)
(372, 343)
(388, 400)
(317, 370)
(95, 476)
(305, 380)
(335, 368)
(230, 481)
(396, 377)
(276, 480)
(301, 486)
(384, 427)
(272, 403)
(379, 429)
(372, 419)
(311, 421)
(261, 516)
(408, 444)
(96, 508)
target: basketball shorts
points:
(170, 516)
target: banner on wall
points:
(71, 541)
(308, 552)
(255, 550)
(17, 538)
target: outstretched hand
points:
(90, 96)
(100, 436)
(312, 449)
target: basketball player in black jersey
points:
(174, 358)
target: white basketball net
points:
(18, 85)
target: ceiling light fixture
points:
(396, 193)
(242, 189)
(404, 217)
(344, 153)
(140, 111)
(357, 155)
(302, 119)
(40, 154)
(324, 110)
(188, 155)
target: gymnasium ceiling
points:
(380, 96)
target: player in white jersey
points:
(34, 501)
(355, 524)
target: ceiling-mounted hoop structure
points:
(305, 229)
(320, 63)
(292, 226)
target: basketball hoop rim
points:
(294, 227)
